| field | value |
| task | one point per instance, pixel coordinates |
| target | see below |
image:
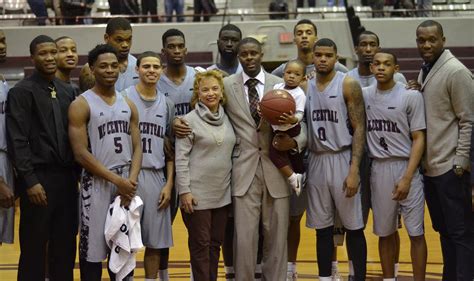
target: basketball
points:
(274, 103)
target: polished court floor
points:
(307, 268)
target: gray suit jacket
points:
(253, 141)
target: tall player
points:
(396, 138)
(156, 176)
(227, 42)
(7, 198)
(368, 43)
(305, 35)
(105, 138)
(118, 34)
(67, 61)
(336, 138)
(176, 83)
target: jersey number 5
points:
(118, 145)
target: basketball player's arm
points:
(86, 79)
(402, 188)
(165, 194)
(7, 198)
(355, 109)
(136, 143)
(78, 115)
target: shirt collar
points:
(260, 76)
(428, 66)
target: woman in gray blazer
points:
(203, 171)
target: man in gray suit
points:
(259, 190)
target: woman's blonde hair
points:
(216, 74)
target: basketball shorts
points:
(384, 176)
(6, 215)
(155, 223)
(326, 175)
(96, 196)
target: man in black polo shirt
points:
(38, 144)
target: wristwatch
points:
(458, 170)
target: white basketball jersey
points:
(391, 116)
(327, 118)
(181, 94)
(129, 77)
(366, 81)
(3, 105)
(109, 130)
(153, 123)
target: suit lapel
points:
(239, 93)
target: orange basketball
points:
(274, 103)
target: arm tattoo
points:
(356, 112)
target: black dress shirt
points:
(31, 129)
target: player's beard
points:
(228, 56)
(325, 71)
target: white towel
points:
(123, 236)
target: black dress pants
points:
(53, 226)
(449, 202)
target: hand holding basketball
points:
(274, 104)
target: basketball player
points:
(105, 138)
(368, 44)
(227, 43)
(7, 197)
(118, 34)
(229, 38)
(336, 129)
(305, 35)
(156, 176)
(67, 61)
(176, 83)
(396, 137)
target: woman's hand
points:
(187, 202)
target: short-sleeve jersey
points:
(153, 123)
(129, 77)
(181, 94)
(391, 116)
(3, 105)
(109, 130)
(366, 81)
(327, 118)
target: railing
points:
(245, 14)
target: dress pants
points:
(254, 205)
(449, 202)
(54, 226)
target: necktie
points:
(58, 122)
(253, 98)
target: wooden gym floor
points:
(307, 268)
